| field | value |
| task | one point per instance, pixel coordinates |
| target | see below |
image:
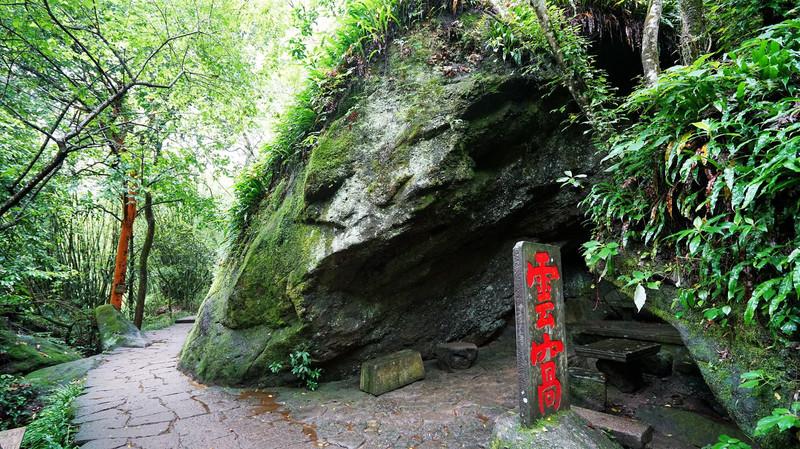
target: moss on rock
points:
(115, 330)
(346, 254)
(565, 430)
(20, 354)
(47, 379)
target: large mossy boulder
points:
(116, 330)
(47, 379)
(20, 354)
(396, 230)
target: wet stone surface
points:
(136, 398)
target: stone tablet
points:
(11, 439)
(391, 372)
(541, 339)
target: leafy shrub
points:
(301, 365)
(781, 420)
(15, 401)
(51, 429)
(709, 174)
(726, 442)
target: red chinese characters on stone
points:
(550, 390)
(544, 317)
(542, 275)
(547, 350)
(543, 354)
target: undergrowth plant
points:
(517, 36)
(15, 398)
(301, 367)
(52, 427)
(707, 180)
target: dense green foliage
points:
(52, 427)
(15, 395)
(109, 101)
(706, 179)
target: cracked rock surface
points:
(136, 398)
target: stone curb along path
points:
(136, 398)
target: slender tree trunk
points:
(121, 259)
(694, 39)
(650, 62)
(146, 246)
(575, 85)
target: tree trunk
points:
(650, 62)
(146, 246)
(121, 259)
(575, 85)
(694, 39)
(130, 277)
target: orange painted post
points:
(121, 259)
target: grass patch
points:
(51, 427)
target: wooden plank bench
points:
(632, 330)
(614, 357)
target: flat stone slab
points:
(186, 320)
(628, 432)
(11, 439)
(632, 330)
(456, 355)
(618, 349)
(391, 372)
(564, 430)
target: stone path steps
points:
(136, 398)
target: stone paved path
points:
(136, 398)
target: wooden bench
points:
(614, 357)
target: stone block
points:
(564, 430)
(587, 388)
(628, 432)
(456, 355)
(391, 372)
